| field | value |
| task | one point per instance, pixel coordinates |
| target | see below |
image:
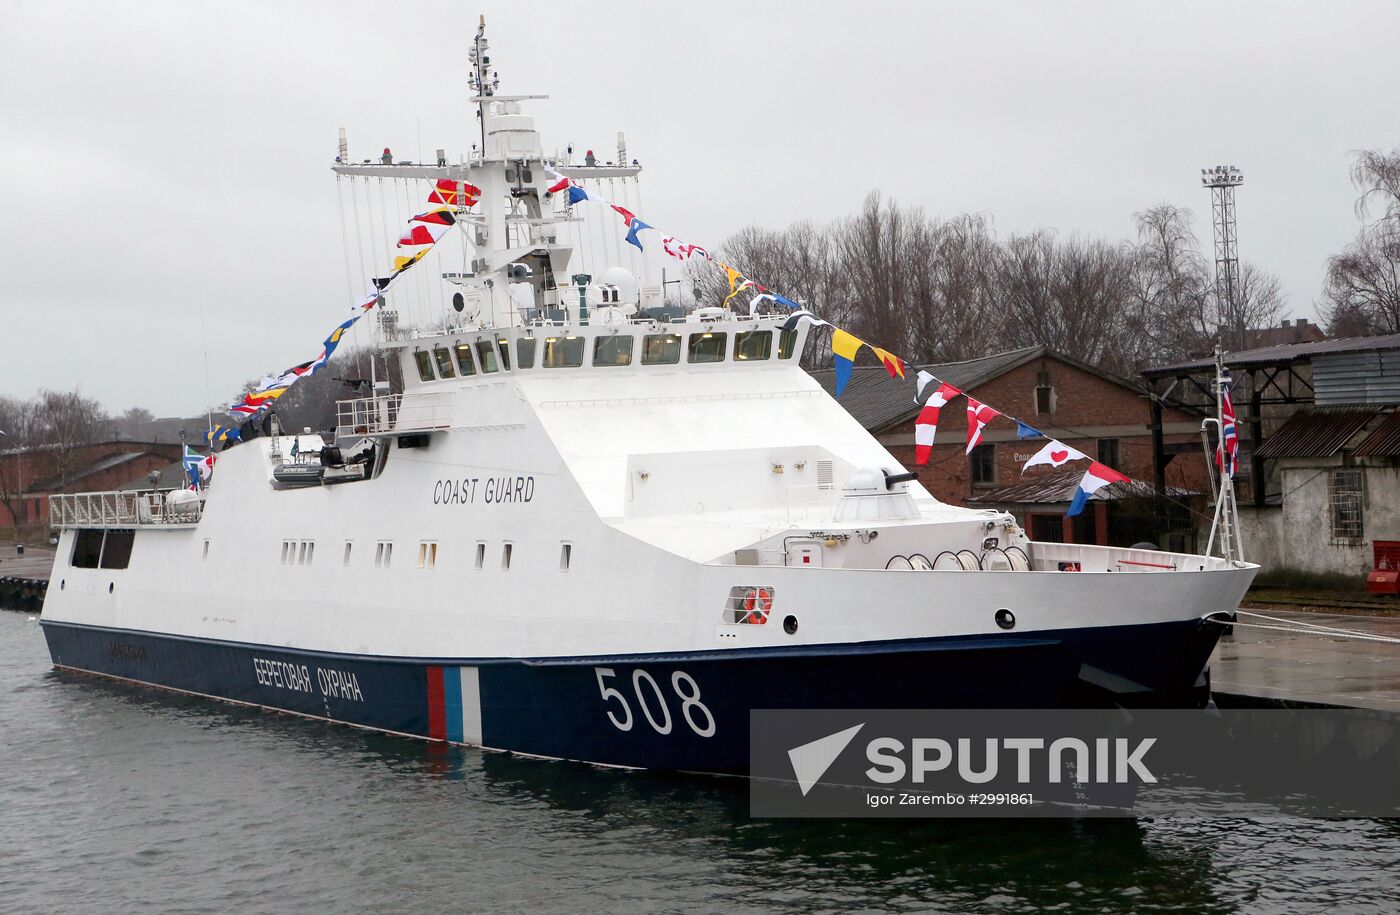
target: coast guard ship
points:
(587, 530)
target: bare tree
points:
(1361, 293)
(1171, 285)
(16, 422)
(67, 420)
(1258, 302)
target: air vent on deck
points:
(824, 475)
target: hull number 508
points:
(652, 701)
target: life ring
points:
(757, 604)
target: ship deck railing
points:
(123, 508)
(393, 414)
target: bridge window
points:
(464, 359)
(87, 549)
(787, 341)
(661, 349)
(486, 351)
(425, 366)
(708, 347)
(563, 352)
(503, 345)
(614, 350)
(525, 353)
(116, 549)
(444, 362)
(754, 344)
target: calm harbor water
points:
(116, 799)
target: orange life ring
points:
(757, 604)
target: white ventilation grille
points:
(824, 475)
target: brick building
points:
(28, 476)
(1100, 414)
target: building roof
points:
(170, 474)
(101, 464)
(1316, 432)
(1284, 354)
(879, 402)
(1299, 331)
(1058, 487)
(1384, 440)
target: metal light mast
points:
(1222, 181)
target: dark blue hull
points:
(686, 710)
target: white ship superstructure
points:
(588, 531)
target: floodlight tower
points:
(1222, 181)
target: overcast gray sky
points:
(163, 161)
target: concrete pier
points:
(24, 578)
(1314, 668)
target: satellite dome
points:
(628, 288)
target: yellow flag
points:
(845, 345)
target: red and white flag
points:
(454, 193)
(1056, 454)
(978, 415)
(926, 425)
(682, 251)
(422, 234)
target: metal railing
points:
(124, 509)
(395, 413)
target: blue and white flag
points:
(1095, 478)
(1025, 431)
(191, 461)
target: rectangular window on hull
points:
(486, 353)
(661, 349)
(444, 362)
(87, 549)
(562, 352)
(506, 550)
(383, 554)
(753, 345)
(464, 359)
(708, 347)
(427, 555)
(349, 545)
(425, 366)
(116, 549)
(615, 350)
(566, 556)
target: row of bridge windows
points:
(487, 356)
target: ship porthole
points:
(62, 582)
(790, 624)
(110, 586)
(1006, 619)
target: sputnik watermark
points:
(1002, 762)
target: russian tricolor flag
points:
(1095, 478)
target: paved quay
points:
(23, 578)
(1313, 667)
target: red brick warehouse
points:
(1104, 416)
